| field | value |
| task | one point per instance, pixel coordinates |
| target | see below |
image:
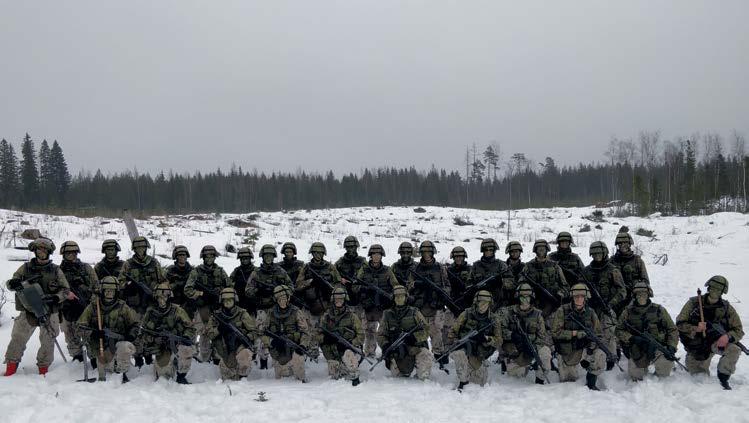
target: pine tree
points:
(46, 176)
(29, 173)
(61, 176)
(9, 183)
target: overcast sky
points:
(279, 85)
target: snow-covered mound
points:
(695, 249)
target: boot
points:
(43, 370)
(125, 378)
(11, 368)
(139, 361)
(216, 361)
(539, 381)
(442, 362)
(503, 366)
(462, 385)
(610, 365)
(182, 379)
(355, 382)
(263, 363)
(148, 359)
(723, 378)
(590, 381)
(93, 363)
(78, 357)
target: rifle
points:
(531, 347)
(32, 299)
(170, 337)
(473, 289)
(107, 332)
(235, 330)
(143, 287)
(206, 290)
(598, 341)
(652, 341)
(526, 278)
(464, 340)
(702, 313)
(372, 286)
(318, 277)
(294, 299)
(343, 341)
(290, 343)
(454, 308)
(719, 328)
(596, 294)
(84, 353)
(400, 340)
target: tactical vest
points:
(241, 276)
(48, 281)
(341, 322)
(567, 347)
(292, 267)
(212, 278)
(475, 321)
(284, 322)
(516, 268)
(570, 263)
(423, 296)
(403, 319)
(400, 270)
(82, 286)
(115, 318)
(646, 319)
(370, 298)
(317, 296)
(227, 343)
(459, 277)
(106, 268)
(602, 278)
(177, 277)
(485, 268)
(630, 267)
(546, 274)
(265, 278)
(348, 267)
(698, 345)
(147, 273)
(173, 320)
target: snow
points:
(697, 248)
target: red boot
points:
(43, 370)
(10, 368)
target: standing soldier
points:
(119, 328)
(459, 274)
(572, 342)
(348, 266)
(204, 287)
(374, 301)
(540, 273)
(570, 262)
(39, 270)
(167, 332)
(177, 275)
(286, 321)
(524, 337)
(403, 266)
(263, 280)
(340, 321)
(709, 325)
(139, 272)
(643, 318)
(502, 284)
(290, 263)
(425, 298)
(414, 352)
(314, 285)
(82, 281)
(630, 264)
(470, 360)
(240, 277)
(513, 250)
(110, 264)
(233, 333)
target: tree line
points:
(642, 174)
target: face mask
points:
(317, 256)
(209, 260)
(140, 251)
(525, 301)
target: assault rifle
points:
(395, 345)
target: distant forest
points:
(700, 173)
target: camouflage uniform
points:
(235, 357)
(459, 277)
(289, 322)
(402, 267)
(107, 267)
(519, 355)
(260, 293)
(54, 285)
(503, 287)
(348, 266)
(372, 302)
(292, 266)
(721, 318)
(149, 272)
(82, 281)
(470, 360)
(549, 275)
(414, 353)
(429, 303)
(655, 321)
(240, 277)
(177, 277)
(342, 362)
(630, 265)
(574, 350)
(314, 293)
(214, 279)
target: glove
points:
(15, 284)
(50, 299)
(327, 339)
(581, 334)
(671, 356)
(139, 361)
(277, 344)
(410, 339)
(637, 340)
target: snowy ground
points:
(697, 248)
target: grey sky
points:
(275, 85)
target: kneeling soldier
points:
(287, 335)
(341, 329)
(525, 343)
(232, 332)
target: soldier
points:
(55, 287)
(542, 272)
(110, 264)
(414, 353)
(524, 329)
(602, 276)
(167, 332)
(226, 328)
(571, 341)
(204, 286)
(259, 291)
(119, 328)
(177, 275)
(140, 269)
(459, 274)
(348, 265)
(502, 286)
(643, 316)
(403, 266)
(341, 321)
(286, 320)
(718, 333)
(290, 263)
(82, 281)
(470, 359)
(424, 297)
(240, 276)
(570, 262)
(314, 285)
(630, 264)
(513, 250)
(374, 302)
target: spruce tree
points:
(29, 173)
(46, 177)
(60, 174)
(9, 183)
